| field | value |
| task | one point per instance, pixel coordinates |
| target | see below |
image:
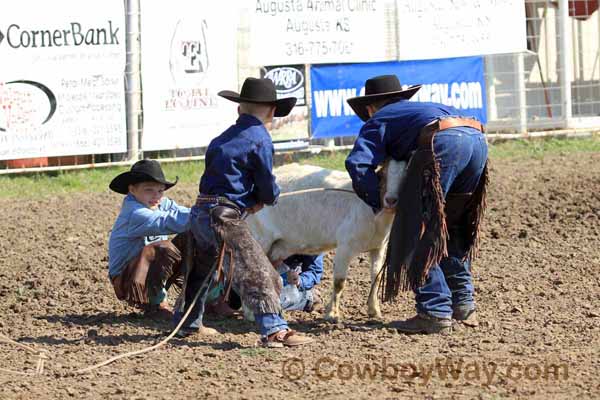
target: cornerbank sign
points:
(457, 82)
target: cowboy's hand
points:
(255, 208)
(293, 278)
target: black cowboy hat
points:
(141, 171)
(261, 91)
(380, 88)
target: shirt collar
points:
(247, 119)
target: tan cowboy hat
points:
(380, 88)
(261, 91)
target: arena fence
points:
(552, 89)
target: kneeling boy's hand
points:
(255, 208)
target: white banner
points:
(457, 28)
(315, 31)
(61, 78)
(188, 56)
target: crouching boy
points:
(143, 262)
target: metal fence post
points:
(522, 93)
(133, 85)
(565, 62)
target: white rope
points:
(316, 190)
(42, 357)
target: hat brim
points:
(359, 104)
(282, 106)
(121, 182)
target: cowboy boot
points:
(423, 323)
(465, 313)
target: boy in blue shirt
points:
(143, 262)
(238, 179)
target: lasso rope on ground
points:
(42, 356)
(159, 344)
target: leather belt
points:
(426, 136)
(207, 198)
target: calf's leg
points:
(342, 258)
(377, 257)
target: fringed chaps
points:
(419, 234)
(243, 263)
(158, 266)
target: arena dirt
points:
(537, 286)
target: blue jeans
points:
(462, 154)
(206, 243)
(270, 323)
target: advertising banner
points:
(313, 32)
(458, 28)
(290, 81)
(188, 56)
(61, 79)
(458, 82)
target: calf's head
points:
(391, 177)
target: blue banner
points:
(458, 82)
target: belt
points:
(206, 198)
(426, 136)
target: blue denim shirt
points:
(239, 164)
(312, 269)
(138, 225)
(391, 132)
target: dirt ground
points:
(537, 286)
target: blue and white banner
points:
(457, 82)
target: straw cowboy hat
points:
(380, 88)
(261, 91)
(141, 171)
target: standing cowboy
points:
(434, 233)
(238, 179)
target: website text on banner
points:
(61, 80)
(458, 82)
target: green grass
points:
(97, 180)
(539, 148)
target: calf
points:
(313, 222)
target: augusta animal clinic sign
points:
(458, 82)
(61, 79)
(317, 31)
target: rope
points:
(157, 345)
(42, 357)
(316, 190)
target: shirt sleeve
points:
(266, 189)
(165, 221)
(367, 154)
(312, 271)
